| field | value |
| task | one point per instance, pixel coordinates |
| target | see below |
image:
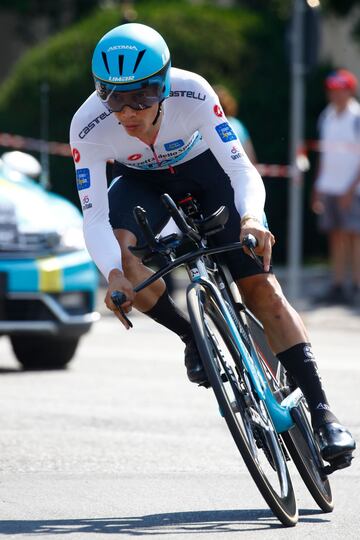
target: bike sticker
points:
(82, 179)
(194, 273)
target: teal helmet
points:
(132, 57)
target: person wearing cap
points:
(336, 193)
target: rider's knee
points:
(266, 298)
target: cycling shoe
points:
(334, 441)
(195, 369)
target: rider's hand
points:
(118, 282)
(265, 239)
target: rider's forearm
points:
(249, 194)
(103, 247)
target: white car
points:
(48, 282)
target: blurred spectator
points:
(230, 106)
(336, 194)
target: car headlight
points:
(72, 238)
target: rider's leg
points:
(288, 339)
(155, 302)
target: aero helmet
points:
(131, 57)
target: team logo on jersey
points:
(218, 111)
(174, 145)
(225, 132)
(82, 179)
(76, 155)
(134, 157)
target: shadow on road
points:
(220, 521)
(7, 371)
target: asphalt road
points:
(122, 445)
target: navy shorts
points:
(204, 178)
(336, 218)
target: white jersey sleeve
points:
(90, 162)
(247, 183)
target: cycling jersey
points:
(192, 123)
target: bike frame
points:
(198, 275)
(279, 412)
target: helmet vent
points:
(138, 60)
(104, 57)
(121, 63)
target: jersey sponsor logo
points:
(82, 179)
(235, 153)
(93, 124)
(188, 94)
(76, 155)
(218, 111)
(173, 145)
(134, 157)
(168, 158)
(85, 203)
(225, 132)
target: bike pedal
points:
(341, 462)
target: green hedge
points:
(241, 48)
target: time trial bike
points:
(264, 410)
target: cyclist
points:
(167, 132)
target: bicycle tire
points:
(282, 504)
(316, 482)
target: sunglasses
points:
(140, 99)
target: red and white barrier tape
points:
(36, 145)
(19, 142)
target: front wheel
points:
(246, 416)
(44, 352)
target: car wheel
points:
(43, 352)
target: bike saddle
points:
(213, 223)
